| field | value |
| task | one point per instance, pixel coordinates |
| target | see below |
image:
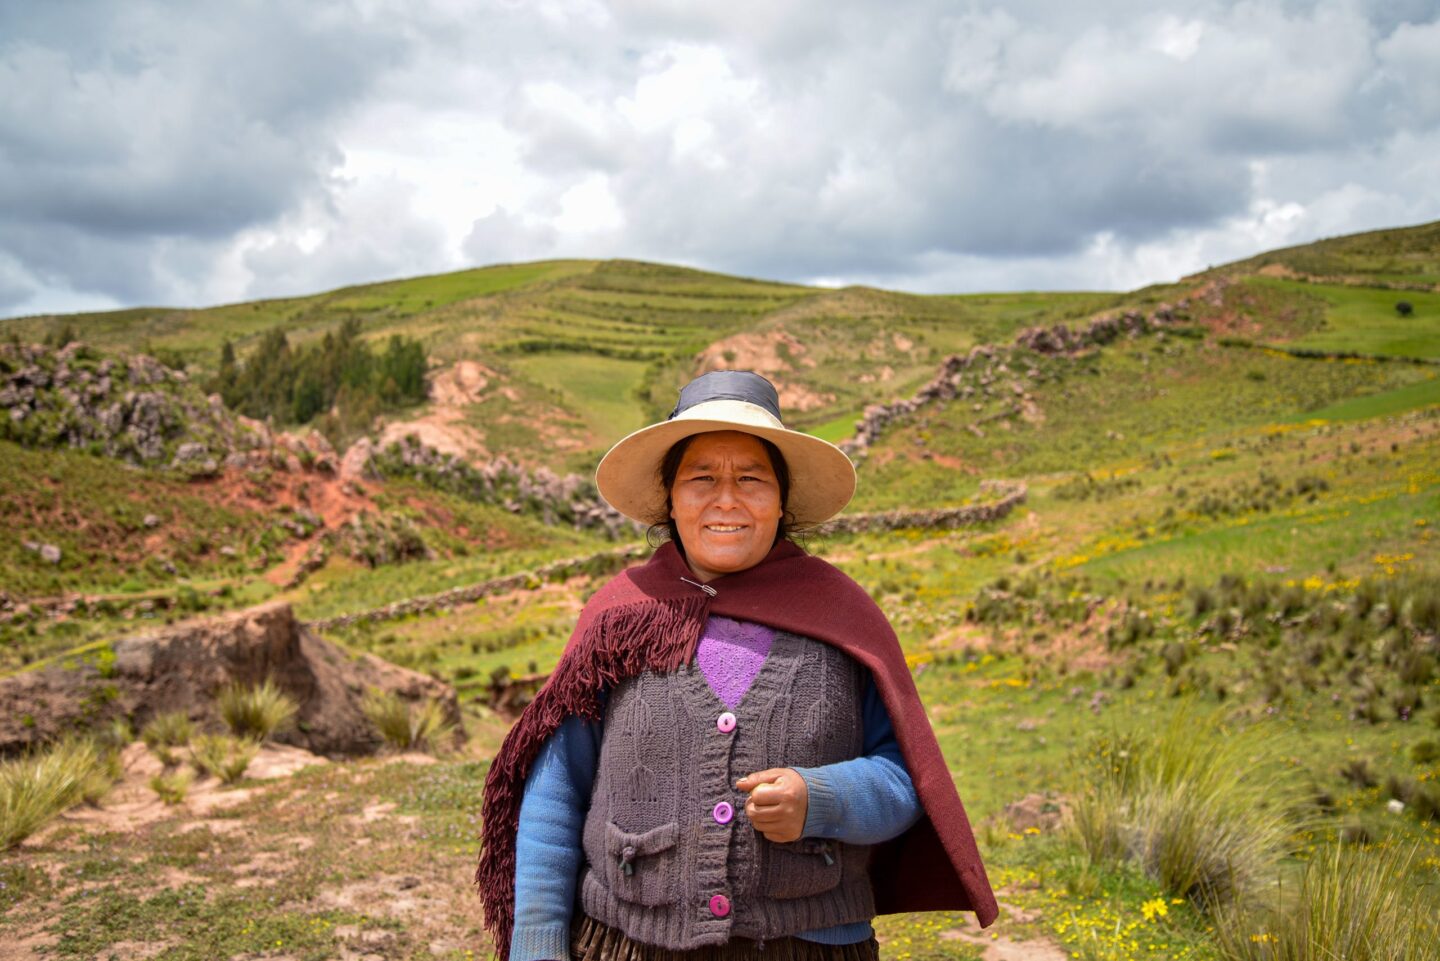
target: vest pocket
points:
(640, 868)
(799, 869)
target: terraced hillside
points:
(552, 361)
(1222, 583)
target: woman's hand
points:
(779, 801)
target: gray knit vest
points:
(657, 851)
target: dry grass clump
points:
(255, 712)
(40, 785)
(404, 726)
(223, 756)
(165, 731)
(1357, 904)
(172, 788)
(1187, 805)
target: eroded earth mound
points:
(184, 667)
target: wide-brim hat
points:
(822, 479)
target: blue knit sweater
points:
(866, 800)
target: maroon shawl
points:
(648, 618)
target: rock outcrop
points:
(134, 408)
(184, 667)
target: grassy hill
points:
(1405, 256)
(1229, 519)
(581, 352)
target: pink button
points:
(724, 812)
(725, 722)
(719, 905)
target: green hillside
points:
(582, 351)
(1224, 577)
(1403, 256)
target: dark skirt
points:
(592, 941)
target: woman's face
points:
(725, 503)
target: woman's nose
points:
(727, 492)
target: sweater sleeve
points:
(868, 799)
(548, 854)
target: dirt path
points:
(329, 498)
(996, 946)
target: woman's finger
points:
(751, 781)
(769, 795)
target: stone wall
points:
(987, 370)
(612, 562)
(604, 563)
(942, 518)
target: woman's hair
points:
(666, 530)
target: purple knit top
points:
(731, 654)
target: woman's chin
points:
(710, 564)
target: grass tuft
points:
(1182, 805)
(165, 731)
(172, 788)
(256, 712)
(404, 726)
(1357, 904)
(37, 787)
(223, 756)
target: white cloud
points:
(267, 148)
(1178, 39)
(1411, 62)
(589, 208)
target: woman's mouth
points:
(724, 528)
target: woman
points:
(731, 751)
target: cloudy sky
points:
(187, 152)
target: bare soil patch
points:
(443, 426)
(774, 353)
(132, 803)
(26, 944)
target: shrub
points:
(1362, 904)
(223, 756)
(1179, 804)
(404, 726)
(172, 788)
(40, 785)
(256, 712)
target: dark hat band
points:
(741, 385)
